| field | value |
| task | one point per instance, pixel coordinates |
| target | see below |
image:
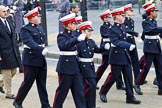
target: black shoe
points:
(97, 88)
(17, 105)
(145, 82)
(121, 87)
(138, 90)
(1, 90)
(133, 101)
(11, 97)
(159, 92)
(21, 71)
(103, 98)
(155, 82)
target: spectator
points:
(8, 52)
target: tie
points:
(6, 25)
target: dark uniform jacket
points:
(86, 49)
(119, 52)
(8, 46)
(150, 29)
(67, 64)
(33, 36)
(104, 31)
(129, 24)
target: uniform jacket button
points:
(149, 42)
(67, 60)
(116, 51)
(84, 66)
(29, 52)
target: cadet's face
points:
(3, 12)
(72, 26)
(154, 14)
(129, 12)
(87, 32)
(120, 18)
(36, 19)
(107, 19)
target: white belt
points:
(112, 45)
(42, 45)
(68, 52)
(152, 37)
(106, 39)
(85, 59)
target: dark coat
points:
(8, 47)
(104, 31)
(86, 49)
(129, 23)
(33, 36)
(67, 64)
(119, 55)
(150, 28)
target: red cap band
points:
(68, 21)
(84, 27)
(105, 15)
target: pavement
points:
(116, 98)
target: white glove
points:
(45, 51)
(14, 7)
(131, 47)
(139, 34)
(140, 41)
(81, 37)
(107, 46)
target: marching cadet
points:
(142, 59)
(33, 59)
(119, 57)
(151, 49)
(106, 18)
(86, 50)
(68, 68)
(129, 23)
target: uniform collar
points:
(68, 31)
(117, 24)
(33, 25)
(106, 23)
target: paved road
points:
(116, 98)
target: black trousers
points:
(90, 92)
(101, 69)
(148, 59)
(67, 82)
(135, 62)
(114, 76)
(32, 73)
